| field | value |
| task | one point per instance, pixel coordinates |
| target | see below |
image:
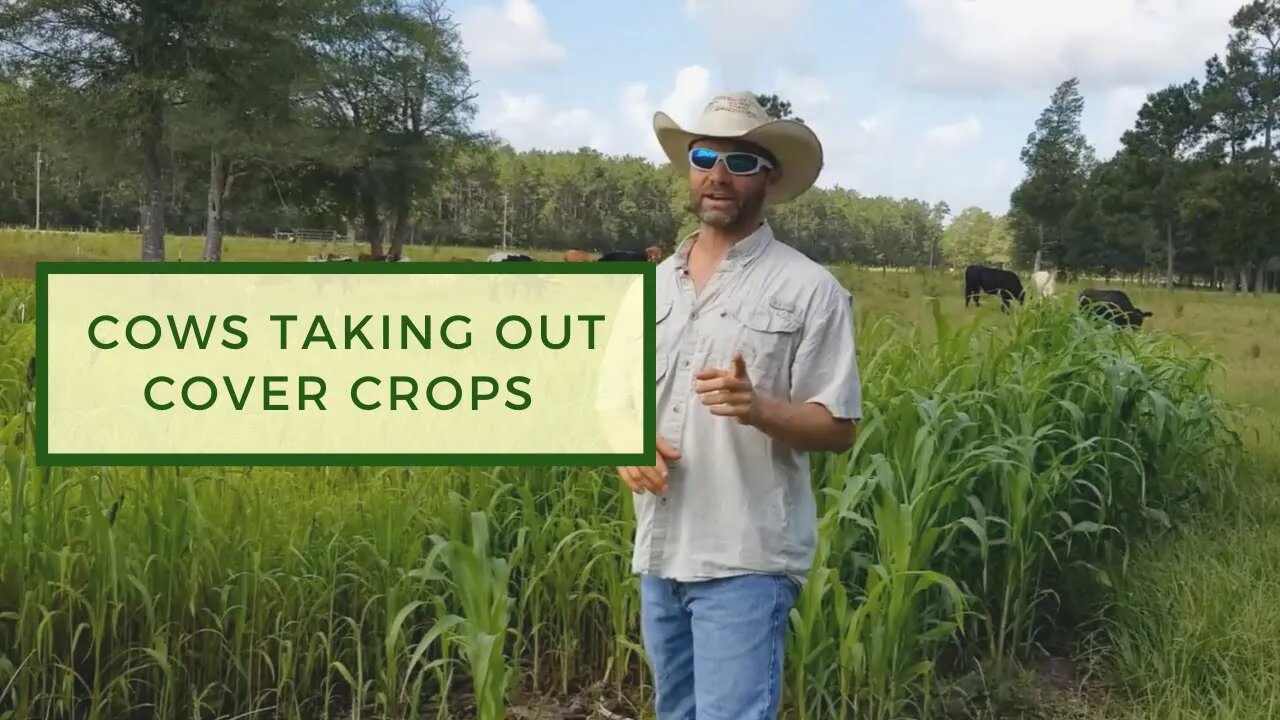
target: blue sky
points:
(931, 99)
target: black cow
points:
(1113, 305)
(992, 281)
(623, 256)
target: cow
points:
(652, 253)
(369, 257)
(979, 279)
(1113, 305)
(1044, 283)
(577, 256)
(456, 258)
(508, 257)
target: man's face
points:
(724, 200)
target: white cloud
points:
(690, 92)
(954, 135)
(866, 149)
(733, 24)
(993, 45)
(803, 89)
(741, 33)
(1119, 112)
(871, 153)
(512, 35)
(528, 121)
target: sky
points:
(925, 99)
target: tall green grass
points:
(1005, 465)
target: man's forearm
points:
(804, 426)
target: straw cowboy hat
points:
(739, 116)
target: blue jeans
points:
(716, 646)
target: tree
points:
(122, 62)
(1110, 229)
(1058, 158)
(398, 99)
(1158, 146)
(776, 107)
(977, 237)
(248, 70)
(1255, 46)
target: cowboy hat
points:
(739, 116)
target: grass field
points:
(19, 250)
(1029, 493)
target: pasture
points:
(1043, 517)
(19, 250)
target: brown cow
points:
(577, 256)
(653, 252)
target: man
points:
(755, 369)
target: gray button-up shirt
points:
(739, 501)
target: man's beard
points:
(742, 209)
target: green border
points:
(44, 458)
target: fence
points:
(308, 235)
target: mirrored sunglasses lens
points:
(742, 162)
(703, 158)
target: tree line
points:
(154, 113)
(1191, 194)
(256, 116)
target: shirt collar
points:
(742, 252)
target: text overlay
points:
(329, 367)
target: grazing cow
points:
(509, 257)
(652, 253)
(1113, 305)
(992, 281)
(461, 259)
(1044, 283)
(577, 256)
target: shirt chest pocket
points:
(768, 333)
(662, 338)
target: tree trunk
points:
(1168, 254)
(215, 220)
(1260, 279)
(153, 221)
(402, 225)
(1039, 249)
(401, 230)
(372, 224)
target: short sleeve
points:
(825, 369)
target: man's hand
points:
(652, 479)
(729, 392)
